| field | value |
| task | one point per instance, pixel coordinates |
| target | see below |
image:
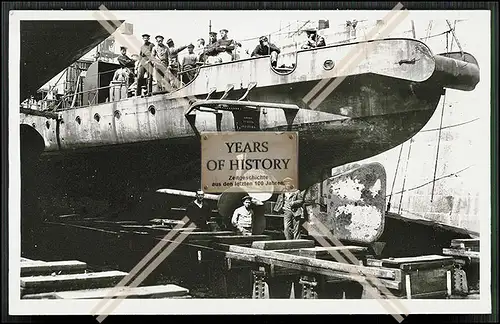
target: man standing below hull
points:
(290, 203)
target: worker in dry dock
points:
(199, 212)
(290, 202)
(243, 216)
(265, 48)
(313, 39)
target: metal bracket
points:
(215, 106)
(259, 284)
(226, 93)
(309, 285)
(211, 92)
(251, 85)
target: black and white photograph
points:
(194, 162)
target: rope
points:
(456, 39)
(439, 135)
(438, 144)
(404, 179)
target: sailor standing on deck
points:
(225, 46)
(174, 65)
(189, 63)
(145, 66)
(210, 52)
(160, 55)
(126, 63)
(243, 216)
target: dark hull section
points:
(48, 47)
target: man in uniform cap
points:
(266, 48)
(313, 39)
(290, 203)
(174, 65)
(161, 55)
(225, 46)
(209, 55)
(145, 65)
(189, 64)
(243, 217)
(127, 64)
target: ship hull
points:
(121, 151)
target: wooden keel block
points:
(424, 259)
(40, 268)
(240, 239)
(41, 284)
(465, 244)
(329, 253)
(160, 291)
(461, 253)
(282, 244)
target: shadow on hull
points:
(49, 46)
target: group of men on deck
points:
(160, 62)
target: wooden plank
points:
(311, 263)
(40, 284)
(27, 260)
(391, 262)
(320, 252)
(391, 284)
(240, 239)
(203, 236)
(159, 291)
(428, 281)
(49, 295)
(461, 253)
(282, 244)
(46, 268)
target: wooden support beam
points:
(465, 244)
(240, 239)
(40, 268)
(160, 291)
(412, 263)
(309, 264)
(202, 236)
(40, 284)
(282, 244)
(461, 253)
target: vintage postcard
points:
(241, 162)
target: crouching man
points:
(243, 216)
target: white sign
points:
(249, 161)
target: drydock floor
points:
(110, 245)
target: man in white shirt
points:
(243, 217)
